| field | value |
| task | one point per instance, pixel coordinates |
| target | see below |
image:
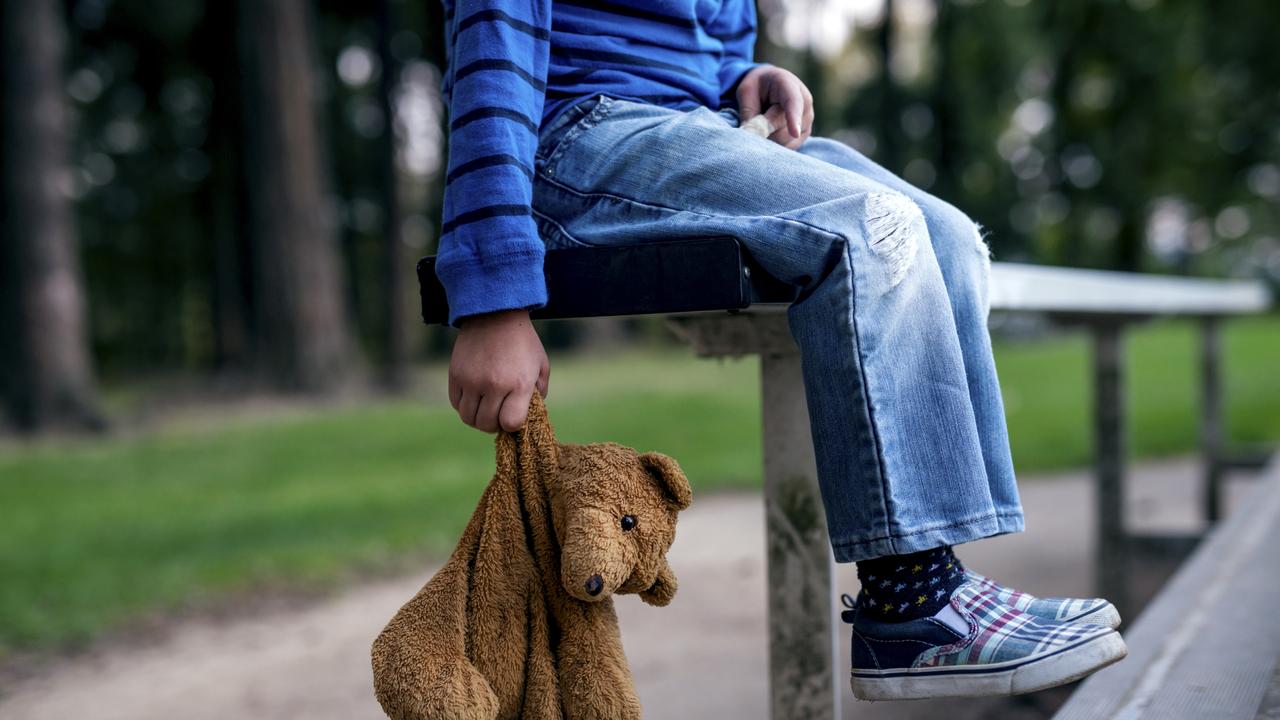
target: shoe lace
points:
(852, 605)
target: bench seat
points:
(704, 274)
(1209, 644)
(655, 278)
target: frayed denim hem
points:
(978, 528)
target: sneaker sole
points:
(1015, 677)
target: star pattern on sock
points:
(905, 587)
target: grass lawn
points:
(95, 533)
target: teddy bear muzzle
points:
(593, 584)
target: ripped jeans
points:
(891, 320)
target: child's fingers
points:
(514, 410)
(455, 392)
(748, 98)
(806, 123)
(544, 379)
(487, 413)
(468, 403)
(793, 101)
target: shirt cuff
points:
(490, 284)
(731, 74)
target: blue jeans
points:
(891, 320)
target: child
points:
(600, 123)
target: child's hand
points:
(497, 363)
(785, 101)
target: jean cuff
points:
(983, 526)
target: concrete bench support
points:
(1211, 424)
(1109, 461)
(805, 668)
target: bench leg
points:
(1211, 416)
(1109, 454)
(805, 670)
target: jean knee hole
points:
(895, 227)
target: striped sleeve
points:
(490, 255)
(735, 28)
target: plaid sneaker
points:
(1094, 611)
(1004, 651)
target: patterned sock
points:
(898, 588)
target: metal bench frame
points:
(694, 281)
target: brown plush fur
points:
(507, 628)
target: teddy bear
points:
(519, 622)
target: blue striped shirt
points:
(515, 66)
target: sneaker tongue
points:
(952, 619)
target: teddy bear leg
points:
(420, 666)
(454, 690)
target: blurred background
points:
(217, 394)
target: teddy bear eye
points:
(628, 522)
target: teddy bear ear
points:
(670, 477)
(536, 434)
(537, 420)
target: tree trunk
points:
(225, 200)
(890, 117)
(303, 334)
(395, 317)
(46, 373)
(945, 102)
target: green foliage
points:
(96, 533)
(1128, 134)
(1068, 129)
(159, 176)
(1049, 405)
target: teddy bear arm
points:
(595, 679)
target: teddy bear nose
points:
(595, 584)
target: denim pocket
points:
(553, 235)
(568, 134)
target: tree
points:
(395, 266)
(303, 334)
(44, 357)
(231, 300)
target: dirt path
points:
(702, 657)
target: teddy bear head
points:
(614, 511)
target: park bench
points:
(693, 283)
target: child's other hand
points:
(783, 98)
(497, 363)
